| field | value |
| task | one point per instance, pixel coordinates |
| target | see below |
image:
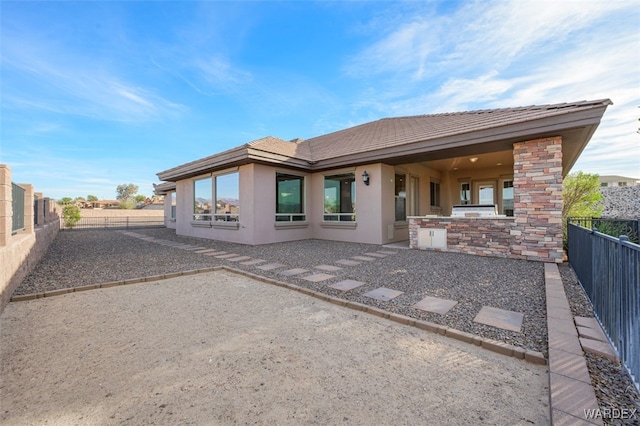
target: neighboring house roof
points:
(416, 138)
(614, 178)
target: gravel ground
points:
(78, 258)
(613, 386)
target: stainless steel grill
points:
(474, 210)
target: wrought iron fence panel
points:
(17, 204)
(608, 269)
(110, 222)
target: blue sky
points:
(96, 94)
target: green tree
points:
(581, 196)
(92, 198)
(65, 200)
(125, 194)
(70, 215)
(140, 198)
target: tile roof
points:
(398, 131)
(407, 136)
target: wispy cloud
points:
(62, 81)
(497, 54)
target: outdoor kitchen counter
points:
(481, 235)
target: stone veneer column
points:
(537, 187)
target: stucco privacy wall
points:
(535, 231)
(19, 253)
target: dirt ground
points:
(219, 348)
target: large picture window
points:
(289, 198)
(202, 199)
(340, 197)
(227, 194)
(401, 197)
(224, 189)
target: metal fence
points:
(608, 269)
(17, 204)
(127, 222)
(612, 227)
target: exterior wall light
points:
(365, 178)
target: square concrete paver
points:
(435, 304)
(205, 251)
(500, 318)
(215, 253)
(329, 268)
(347, 262)
(384, 294)
(386, 252)
(294, 271)
(365, 258)
(347, 285)
(253, 262)
(316, 278)
(271, 266)
(376, 255)
(227, 256)
(239, 258)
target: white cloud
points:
(516, 53)
(63, 82)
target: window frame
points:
(340, 216)
(398, 198)
(291, 217)
(435, 187)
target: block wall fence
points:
(20, 251)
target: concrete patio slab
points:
(384, 294)
(500, 318)
(435, 304)
(347, 285)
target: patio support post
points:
(537, 183)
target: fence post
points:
(28, 208)
(6, 210)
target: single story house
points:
(395, 179)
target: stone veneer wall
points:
(535, 231)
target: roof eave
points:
(496, 137)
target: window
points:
(289, 198)
(401, 197)
(173, 204)
(434, 194)
(622, 183)
(202, 203)
(340, 197)
(227, 196)
(465, 193)
(507, 197)
(225, 190)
